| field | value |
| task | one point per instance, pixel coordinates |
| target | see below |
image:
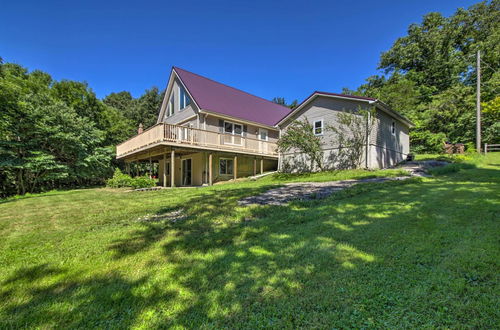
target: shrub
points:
(142, 182)
(120, 180)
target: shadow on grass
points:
(338, 262)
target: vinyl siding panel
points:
(385, 149)
(179, 115)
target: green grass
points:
(419, 253)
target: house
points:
(208, 132)
(387, 136)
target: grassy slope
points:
(417, 253)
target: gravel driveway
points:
(316, 190)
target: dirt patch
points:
(173, 216)
(307, 190)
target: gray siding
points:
(385, 149)
(179, 115)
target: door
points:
(186, 172)
(263, 137)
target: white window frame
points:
(170, 106)
(260, 136)
(183, 100)
(393, 128)
(226, 159)
(233, 134)
(322, 127)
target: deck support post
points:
(210, 169)
(261, 165)
(235, 169)
(150, 167)
(172, 168)
(165, 169)
(254, 166)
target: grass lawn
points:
(418, 253)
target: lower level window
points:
(225, 166)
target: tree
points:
(350, 134)
(299, 136)
(281, 101)
(429, 75)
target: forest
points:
(57, 134)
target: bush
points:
(120, 180)
(142, 182)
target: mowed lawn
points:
(419, 253)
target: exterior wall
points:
(199, 167)
(212, 124)
(179, 115)
(385, 149)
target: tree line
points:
(56, 134)
(429, 75)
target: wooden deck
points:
(187, 137)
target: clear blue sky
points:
(268, 48)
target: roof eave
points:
(387, 109)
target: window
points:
(318, 127)
(393, 128)
(170, 107)
(263, 134)
(234, 133)
(225, 166)
(184, 99)
(167, 172)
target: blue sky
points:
(267, 48)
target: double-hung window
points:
(393, 128)
(233, 133)
(184, 99)
(226, 166)
(318, 127)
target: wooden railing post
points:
(210, 169)
(485, 148)
(172, 168)
(175, 134)
(165, 169)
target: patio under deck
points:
(165, 142)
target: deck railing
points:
(188, 136)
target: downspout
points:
(368, 118)
(368, 135)
(279, 153)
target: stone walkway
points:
(316, 190)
